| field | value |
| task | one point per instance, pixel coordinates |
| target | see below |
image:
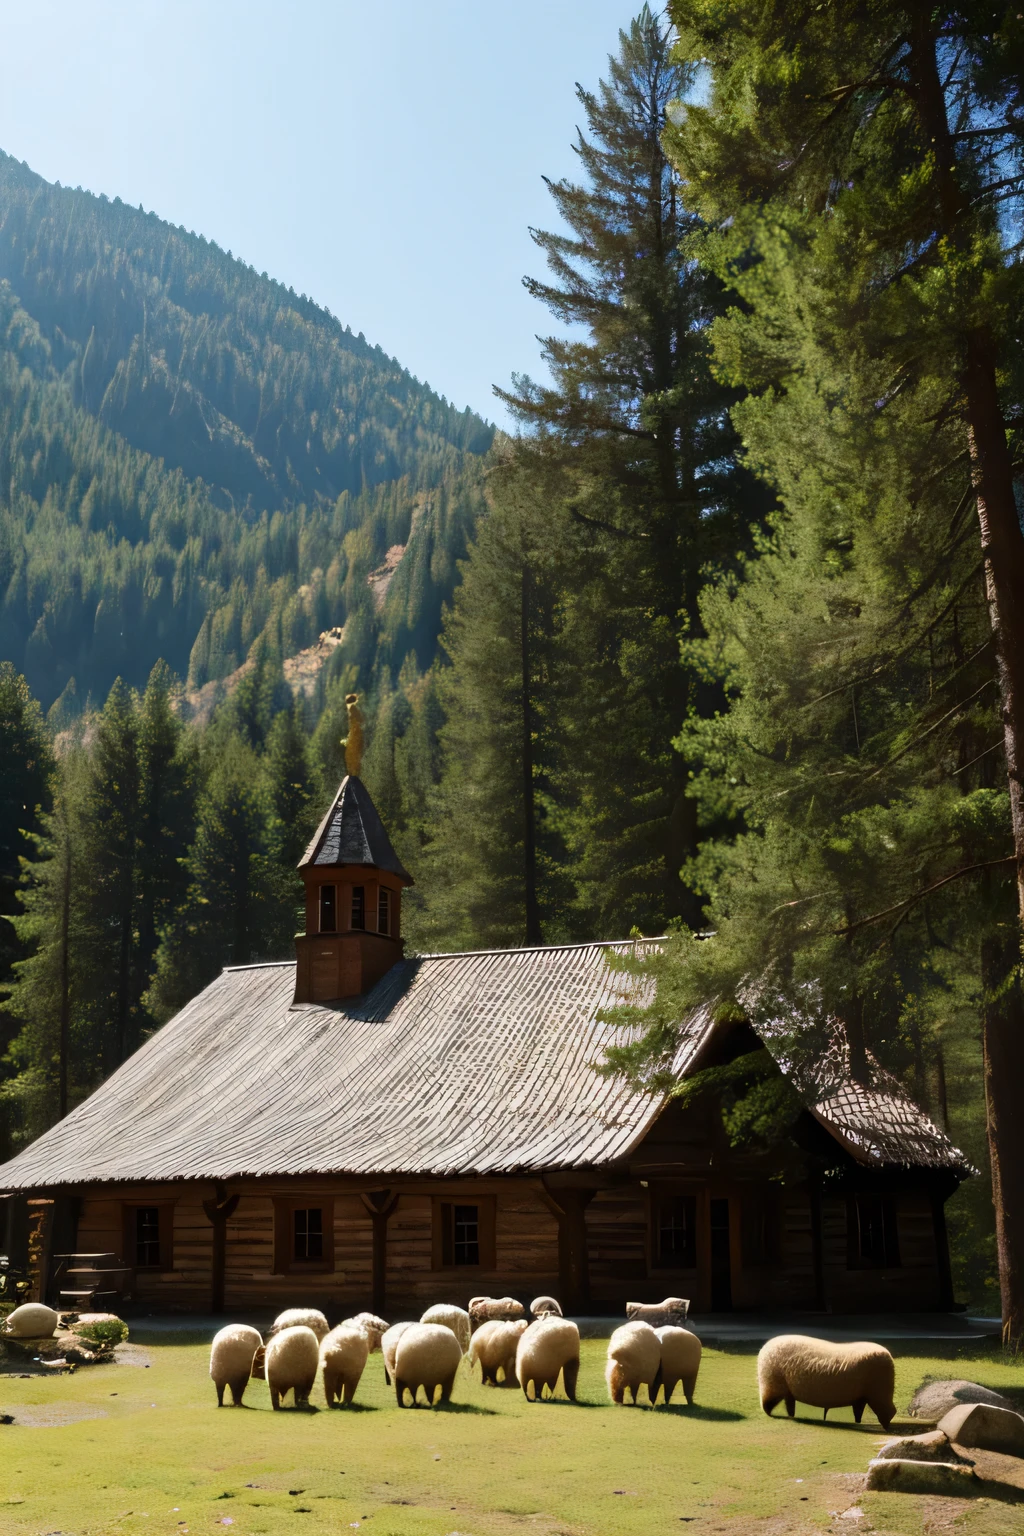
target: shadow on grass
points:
(352, 1408)
(1005, 1493)
(489, 1413)
(563, 1402)
(703, 1411)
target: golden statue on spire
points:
(353, 742)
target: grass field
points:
(130, 1450)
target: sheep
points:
(388, 1345)
(491, 1309)
(634, 1360)
(32, 1320)
(680, 1360)
(427, 1356)
(549, 1345)
(792, 1368)
(494, 1345)
(231, 1358)
(545, 1306)
(373, 1328)
(660, 1314)
(292, 1359)
(453, 1318)
(301, 1317)
(343, 1355)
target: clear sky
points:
(384, 159)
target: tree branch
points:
(910, 901)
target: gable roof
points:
(478, 1063)
(353, 833)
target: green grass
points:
(163, 1459)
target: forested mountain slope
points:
(192, 456)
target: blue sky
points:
(386, 160)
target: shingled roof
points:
(353, 833)
(478, 1063)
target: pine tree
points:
(631, 447)
(166, 813)
(290, 788)
(26, 771)
(859, 175)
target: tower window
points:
(328, 909)
(384, 910)
(358, 906)
(309, 1233)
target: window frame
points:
(359, 927)
(659, 1200)
(443, 1234)
(759, 1209)
(165, 1235)
(285, 1207)
(889, 1214)
(384, 906)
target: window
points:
(760, 1228)
(464, 1235)
(676, 1232)
(328, 909)
(147, 1237)
(384, 910)
(872, 1237)
(309, 1233)
(358, 906)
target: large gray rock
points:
(934, 1399)
(987, 1428)
(921, 1477)
(935, 1446)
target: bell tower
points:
(353, 879)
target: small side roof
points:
(353, 833)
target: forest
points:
(723, 643)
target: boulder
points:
(934, 1399)
(935, 1446)
(946, 1477)
(985, 1427)
(32, 1320)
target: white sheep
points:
(680, 1360)
(495, 1309)
(292, 1360)
(634, 1361)
(372, 1327)
(231, 1359)
(343, 1355)
(792, 1369)
(549, 1346)
(32, 1320)
(301, 1317)
(660, 1314)
(545, 1306)
(428, 1356)
(494, 1345)
(388, 1345)
(453, 1318)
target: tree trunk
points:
(1003, 1042)
(64, 1041)
(1002, 547)
(533, 931)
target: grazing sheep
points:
(292, 1358)
(549, 1345)
(680, 1360)
(670, 1313)
(231, 1357)
(794, 1369)
(32, 1320)
(373, 1328)
(301, 1317)
(634, 1360)
(453, 1318)
(343, 1355)
(494, 1345)
(427, 1356)
(388, 1345)
(545, 1306)
(495, 1309)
